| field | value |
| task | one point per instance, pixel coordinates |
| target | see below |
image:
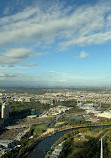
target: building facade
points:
(4, 111)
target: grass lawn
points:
(39, 129)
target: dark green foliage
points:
(87, 137)
(22, 151)
(39, 129)
(20, 110)
(68, 144)
(88, 149)
(91, 149)
(19, 106)
(69, 121)
(10, 154)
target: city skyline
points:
(55, 43)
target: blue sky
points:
(55, 43)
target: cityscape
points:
(55, 79)
(60, 107)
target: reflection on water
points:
(42, 147)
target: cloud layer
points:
(55, 26)
(83, 26)
(18, 55)
(13, 56)
(83, 54)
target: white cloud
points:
(51, 80)
(17, 55)
(38, 54)
(14, 56)
(5, 75)
(83, 54)
(32, 64)
(83, 26)
(2, 74)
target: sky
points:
(61, 43)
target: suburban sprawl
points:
(29, 115)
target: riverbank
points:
(36, 135)
(77, 139)
(65, 131)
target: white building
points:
(106, 114)
(8, 143)
(4, 111)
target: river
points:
(43, 146)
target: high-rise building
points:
(4, 111)
(52, 102)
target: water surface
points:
(43, 146)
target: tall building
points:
(4, 111)
(52, 102)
